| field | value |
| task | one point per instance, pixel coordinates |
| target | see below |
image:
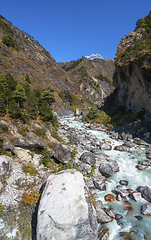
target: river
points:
(139, 229)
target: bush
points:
(3, 127)
(9, 41)
(30, 198)
(92, 171)
(93, 113)
(46, 158)
(1, 209)
(74, 152)
(71, 142)
(28, 168)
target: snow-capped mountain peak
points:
(94, 56)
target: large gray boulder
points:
(62, 153)
(106, 169)
(65, 211)
(88, 157)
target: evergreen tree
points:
(4, 89)
(2, 107)
(27, 77)
(27, 89)
(19, 94)
(11, 82)
(48, 95)
(14, 110)
(32, 107)
(46, 111)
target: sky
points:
(70, 29)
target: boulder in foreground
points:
(65, 210)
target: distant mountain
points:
(94, 56)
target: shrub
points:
(28, 168)
(1, 209)
(93, 113)
(74, 152)
(3, 127)
(30, 198)
(71, 142)
(46, 158)
(92, 171)
(9, 41)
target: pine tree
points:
(46, 111)
(14, 110)
(19, 94)
(2, 106)
(11, 82)
(48, 95)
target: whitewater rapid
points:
(127, 161)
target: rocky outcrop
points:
(65, 211)
(132, 71)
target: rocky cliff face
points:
(132, 76)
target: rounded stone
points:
(124, 182)
(109, 198)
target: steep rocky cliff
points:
(132, 77)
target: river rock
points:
(105, 147)
(100, 183)
(126, 236)
(62, 153)
(146, 209)
(122, 192)
(129, 144)
(109, 198)
(110, 213)
(84, 168)
(102, 217)
(88, 157)
(144, 162)
(118, 216)
(137, 196)
(65, 211)
(114, 135)
(104, 233)
(124, 182)
(122, 148)
(146, 193)
(141, 167)
(106, 169)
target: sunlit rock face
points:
(65, 210)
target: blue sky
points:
(70, 29)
